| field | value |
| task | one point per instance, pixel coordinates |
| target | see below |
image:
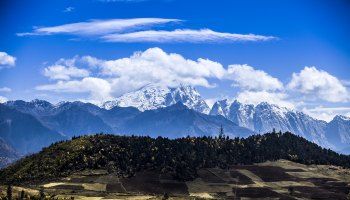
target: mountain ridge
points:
(265, 117)
(260, 118)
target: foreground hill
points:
(179, 158)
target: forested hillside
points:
(125, 155)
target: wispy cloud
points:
(140, 30)
(99, 27)
(184, 35)
(5, 89)
(68, 9)
(327, 113)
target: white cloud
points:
(183, 35)
(99, 27)
(326, 113)
(3, 99)
(156, 66)
(248, 78)
(252, 97)
(99, 89)
(5, 89)
(6, 60)
(69, 9)
(318, 83)
(60, 72)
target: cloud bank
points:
(104, 80)
(127, 74)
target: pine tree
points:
(21, 196)
(9, 192)
(221, 133)
(42, 194)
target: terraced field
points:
(270, 180)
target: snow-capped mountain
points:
(152, 104)
(35, 107)
(338, 132)
(153, 97)
(265, 117)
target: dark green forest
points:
(125, 155)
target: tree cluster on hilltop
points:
(126, 155)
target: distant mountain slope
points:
(7, 153)
(180, 158)
(265, 117)
(152, 97)
(118, 116)
(179, 121)
(76, 120)
(24, 132)
(68, 118)
(338, 133)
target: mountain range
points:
(159, 111)
(39, 123)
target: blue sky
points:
(51, 39)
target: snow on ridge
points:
(153, 96)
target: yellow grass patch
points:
(100, 187)
(203, 195)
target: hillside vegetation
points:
(182, 158)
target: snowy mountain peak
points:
(221, 108)
(40, 102)
(273, 108)
(265, 117)
(152, 96)
(341, 117)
